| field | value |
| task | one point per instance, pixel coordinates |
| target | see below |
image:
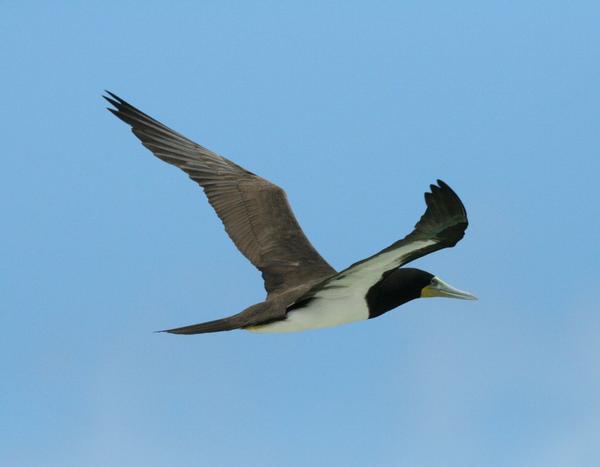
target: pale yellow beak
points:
(439, 288)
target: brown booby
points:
(303, 290)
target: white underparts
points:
(343, 299)
(320, 313)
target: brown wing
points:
(441, 226)
(254, 211)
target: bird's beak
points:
(439, 288)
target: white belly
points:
(320, 313)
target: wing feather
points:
(441, 226)
(254, 211)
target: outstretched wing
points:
(254, 211)
(442, 226)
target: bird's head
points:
(405, 284)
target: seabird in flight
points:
(303, 290)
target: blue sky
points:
(354, 108)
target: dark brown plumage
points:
(254, 211)
(259, 220)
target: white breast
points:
(318, 314)
(330, 307)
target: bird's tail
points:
(251, 316)
(225, 324)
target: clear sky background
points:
(354, 108)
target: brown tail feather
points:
(225, 324)
(259, 313)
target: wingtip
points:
(444, 187)
(114, 96)
(444, 200)
(453, 193)
(115, 100)
(111, 101)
